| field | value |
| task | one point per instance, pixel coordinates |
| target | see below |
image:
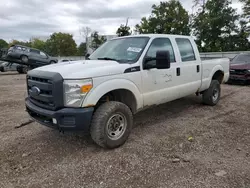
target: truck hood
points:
(240, 66)
(85, 68)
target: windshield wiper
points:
(107, 58)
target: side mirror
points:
(162, 59)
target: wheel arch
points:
(214, 74)
(122, 90)
(218, 75)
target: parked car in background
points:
(6, 66)
(29, 55)
(240, 68)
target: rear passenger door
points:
(189, 70)
(34, 54)
(43, 57)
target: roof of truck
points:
(156, 35)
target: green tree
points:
(82, 49)
(214, 24)
(168, 17)
(61, 44)
(241, 42)
(3, 44)
(97, 40)
(38, 44)
(246, 7)
(123, 31)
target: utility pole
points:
(127, 22)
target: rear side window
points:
(186, 49)
(34, 51)
(43, 54)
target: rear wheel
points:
(2, 69)
(24, 59)
(212, 95)
(25, 70)
(19, 71)
(111, 124)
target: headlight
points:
(75, 91)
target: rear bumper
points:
(66, 119)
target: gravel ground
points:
(159, 152)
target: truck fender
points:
(214, 70)
(97, 92)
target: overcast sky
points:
(22, 20)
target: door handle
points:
(198, 68)
(178, 71)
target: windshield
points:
(123, 50)
(241, 59)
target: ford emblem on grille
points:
(35, 90)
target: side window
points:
(186, 49)
(160, 44)
(43, 54)
(34, 51)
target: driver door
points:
(159, 85)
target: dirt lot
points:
(157, 154)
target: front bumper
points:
(66, 119)
(239, 78)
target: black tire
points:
(100, 128)
(24, 59)
(212, 95)
(52, 62)
(19, 71)
(25, 70)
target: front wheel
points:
(212, 95)
(111, 124)
(52, 62)
(25, 70)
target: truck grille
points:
(45, 90)
(238, 72)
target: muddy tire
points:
(212, 95)
(25, 70)
(111, 124)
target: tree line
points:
(215, 25)
(58, 44)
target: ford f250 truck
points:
(122, 77)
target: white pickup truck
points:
(122, 77)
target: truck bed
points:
(208, 69)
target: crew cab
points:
(122, 77)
